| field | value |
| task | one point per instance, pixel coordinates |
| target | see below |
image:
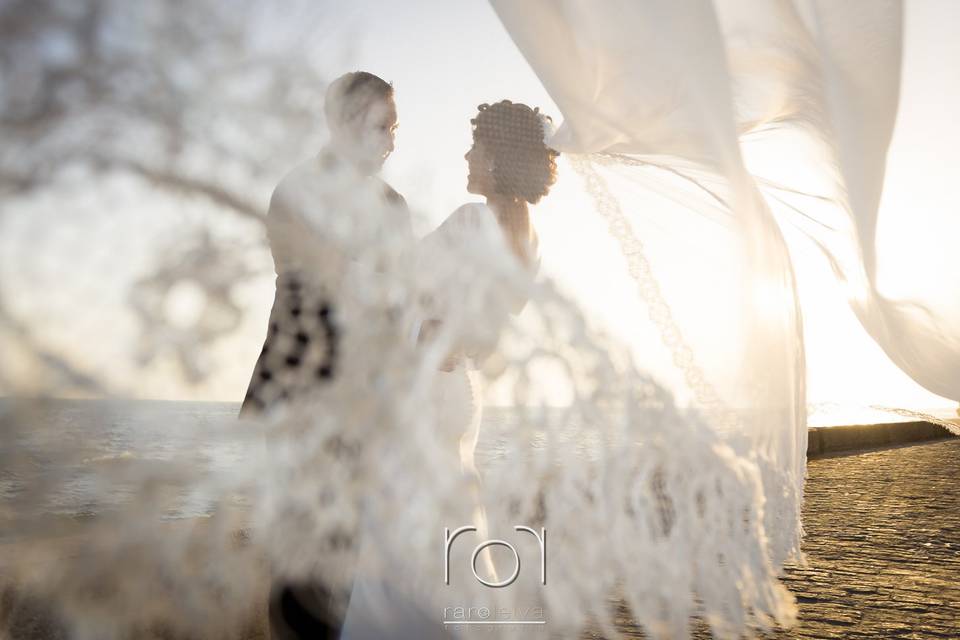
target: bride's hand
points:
(451, 361)
(427, 329)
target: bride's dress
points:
(457, 393)
(377, 609)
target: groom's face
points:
(374, 134)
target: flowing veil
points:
(644, 451)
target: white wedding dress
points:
(377, 608)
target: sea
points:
(63, 445)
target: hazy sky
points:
(444, 58)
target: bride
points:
(511, 167)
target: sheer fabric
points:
(654, 122)
(677, 88)
(695, 82)
(696, 79)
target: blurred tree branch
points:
(215, 98)
(209, 99)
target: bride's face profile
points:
(479, 170)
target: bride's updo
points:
(523, 165)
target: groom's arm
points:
(288, 232)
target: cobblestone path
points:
(882, 544)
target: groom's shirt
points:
(324, 214)
(324, 220)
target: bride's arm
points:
(474, 223)
(427, 330)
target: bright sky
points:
(444, 58)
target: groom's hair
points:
(349, 96)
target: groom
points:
(304, 226)
(362, 119)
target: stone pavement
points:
(883, 546)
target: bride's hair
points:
(513, 133)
